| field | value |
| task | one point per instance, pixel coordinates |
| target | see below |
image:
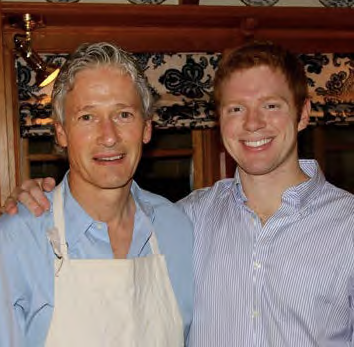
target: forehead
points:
(103, 84)
(101, 74)
(256, 81)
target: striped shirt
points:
(287, 283)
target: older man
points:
(109, 264)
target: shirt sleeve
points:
(26, 280)
(12, 315)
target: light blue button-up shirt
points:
(27, 270)
(287, 283)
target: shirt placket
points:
(258, 275)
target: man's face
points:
(104, 129)
(258, 120)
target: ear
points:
(60, 135)
(147, 131)
(305, 115)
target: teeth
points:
(257, 143)
(117, 157)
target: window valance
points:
(182, 86)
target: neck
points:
(115, 207)
(264, 192)
(105, 205)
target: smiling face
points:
(104, 129)
(258, 120)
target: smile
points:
(257, 143)
(117, 157)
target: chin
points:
(121, 183)
(256, 171)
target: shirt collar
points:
(297, 197)
(306, 192)
(238, 190)
(142, 202)
(80, 221)
(143, 223)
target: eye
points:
(124, 117)
(86, 117)
(237, 109)
(272, 106)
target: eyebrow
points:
(276, 97)
(117, 106)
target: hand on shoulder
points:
(31, 195)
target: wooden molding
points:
(183, 28)
(8, 126)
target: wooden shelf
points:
(45, 157)
(168, 153)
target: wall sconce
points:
(45, 73)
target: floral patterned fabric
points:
(182, 86)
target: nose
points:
(108, 133)
(254, 120)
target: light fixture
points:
(45, 73)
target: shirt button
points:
(99, 226)
(254, 220)
(256, 265)
(255, 314)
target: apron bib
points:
(111, 302)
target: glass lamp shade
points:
(44, 77)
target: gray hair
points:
(96, 55)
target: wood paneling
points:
(206, 161)
(8, 130)
(184, 28)
(4, 151)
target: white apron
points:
(111, 302)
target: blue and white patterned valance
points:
(182, 86)
(331, 85)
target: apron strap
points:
(59, 223)
(154, 244)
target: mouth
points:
(258, 143)
(108, 158)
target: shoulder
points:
(13, 227)
(164, 210)
(334, 211)
(23, 230)
(202, 200)
(337, 198)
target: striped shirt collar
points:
(297, 197)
